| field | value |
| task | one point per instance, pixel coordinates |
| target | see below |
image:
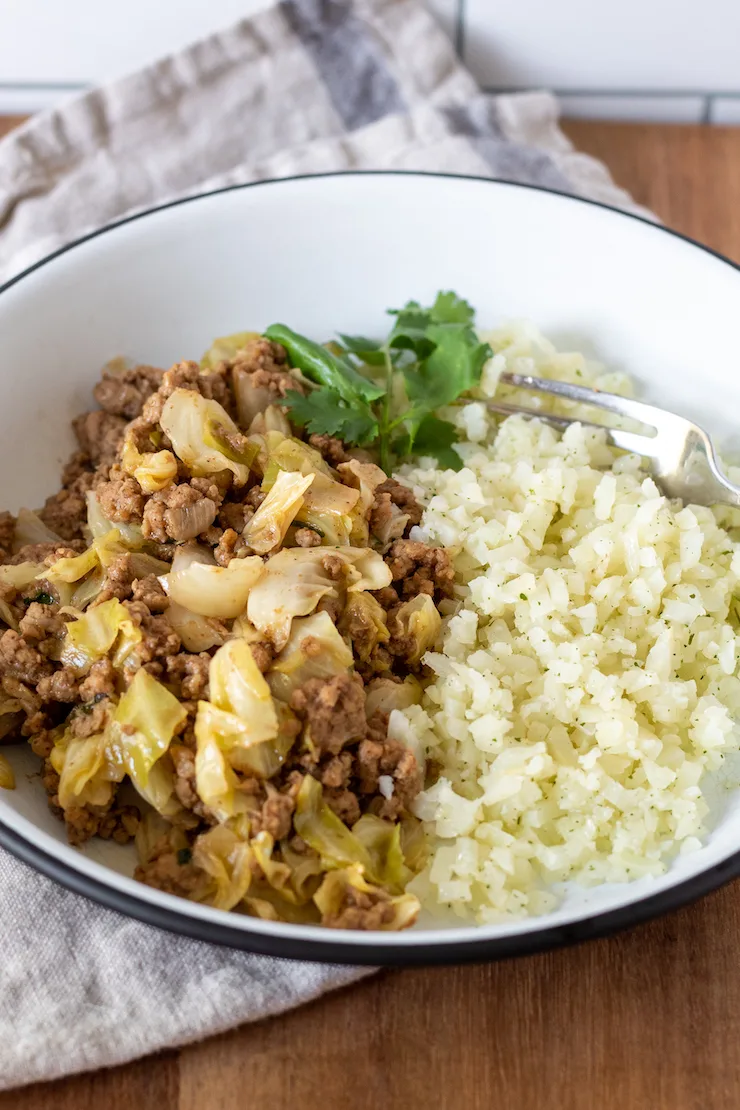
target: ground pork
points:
(21, 660)
(306, 537)
(332, 450)
(89, 720)
(118, 580)
(376, 756)
(121, 499)
(41, 623)
(100, 682)
(333, 709)
(66, 512)
(234, 515)
(418, 568)
(99, 435)
(403, 498)
(183, 762)
(47, 553)
(275, 815)
(7, 535)
(189, 675)
(124, 394)
(360, 910)
(159, 639)
(179, 513)
(63, 685)
(344, 803)
(150, 591)
(230, 544)
(170, 870)
(266, 365)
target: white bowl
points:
(332, 253)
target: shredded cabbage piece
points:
(94, 634)
(323, 831)
(30, 529)
(192, 423)
(293, 583)
(198, 584)
(225, 348)
(314, 649)
(7, 775)
(144, 722)
(215, 781)
(267, 528)
(153, 470)
(85, 777)
(339, 888)
(385, 696)
(197, 633)
(382, 839)
(226, 860)
(420, 622)
(238, 686)
(364, 611)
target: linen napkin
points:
(308, 86)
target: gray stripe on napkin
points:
(478, 121)
(353, 68)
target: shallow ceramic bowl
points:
(331, 253)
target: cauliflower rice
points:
(587, 678)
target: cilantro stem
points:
(385, 415)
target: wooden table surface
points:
(648, 1020)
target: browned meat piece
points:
(403, 498)
(159, 639)
(212, 384)
(344, 803)
(65, 512)
(183, 761)
(100, 435)
(78, 467)
(118, 824)
(47, 553)
(118, 581)
(331, 605)
(171, 871)
(276, 815)
(178, 513)
(331, 449)
(124, 394)
(190, 674)
(40, 623)
(263, 654)
(121, 499)
(333, 709)
(20, 660)
(234, 516)
(100, 682)
(30, 703)
(89, 720)
(420, 569)
(266, 364)
(255, 497)
(336, 772)
(150, 591)
(7, 535)
(41, 743)
(306, 537)
(334, 565)
(378, 756)
(63, 685)
(230, 544)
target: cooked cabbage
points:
(328, 506)
(305, 869)
(363, 620)
(323, 831)
(419, 623)
(198, 584)
(341, 888)
(277, 875)
(198, 429)
(94, 634)
(225, 348)
(85, 777)
(382, 839)
(143, 724)
(18, 576)
(369, 571)
(7, 776)
(99, 525)
(73, 568)
(215, 781)
(293, 584)
(366, 477)
(159, 790)
(30, 529)
(227, 861)
(384, 695)
(273, 419)
(198, 633)
(314, 649)
(267, 528)
(151, 831)
(238, 686)
(153, 470)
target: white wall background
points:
(631, 59)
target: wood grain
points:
(648, 1020)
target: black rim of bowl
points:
(337, 951)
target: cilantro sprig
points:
(387, 394)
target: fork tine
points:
(625, 441)
(623, 406)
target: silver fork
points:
(681, 453)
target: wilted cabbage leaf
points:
(267, 528)
(348, 887)
(94, 634)
(294, 582)
(30, 529)
(226, 860)
(363, 620)
(384, 695)
(198, 584)
(153, 470)
(215, 781)
(226, 347)
(237, 686)
(382, 839)
(369, 571)
(323, 831)
(143, 724)
(196, 428)
(418, 622)
(85, 777)
(198, 633)
(314, 649)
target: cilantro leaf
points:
(368, 350)
(323, 412)
(435, 437)
(453, 367)
(451, 309)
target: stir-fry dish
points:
(209, 625)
